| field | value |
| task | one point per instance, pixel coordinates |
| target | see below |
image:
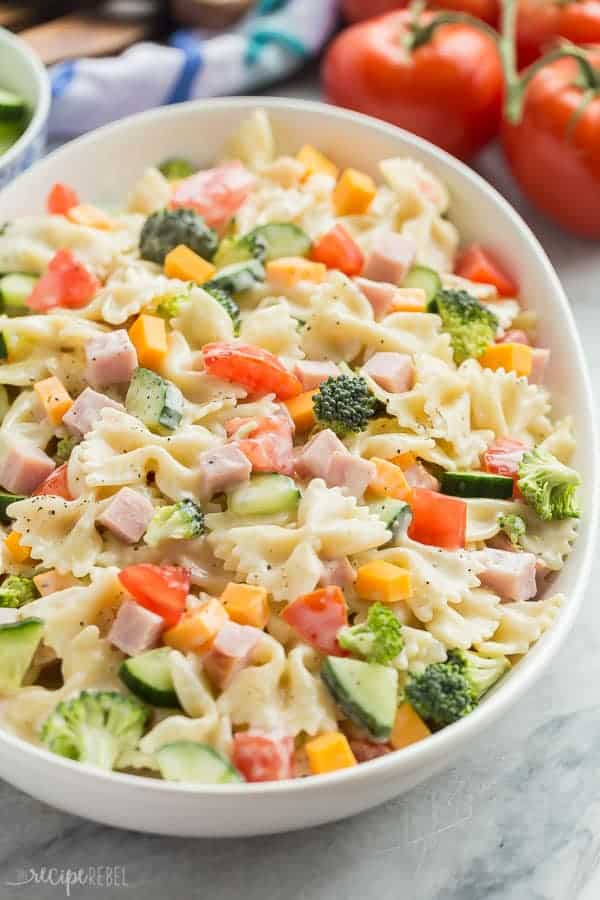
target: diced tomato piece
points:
(477, 264)
(438, 520)
(503, 457)
(216, 194)
(66, 282)
(338, 250)
(56, 484)
(61, 199)
(161, 589)
(256, 369)
(268, 445)
(318, 617)
(261, 756)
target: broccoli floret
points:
(180, 521)
(16, 591)
(481, 672)
(470, 325)
(64, 448)
(176, 167)
(345, 404)
(548, 485)
(166, 229)
(513, 527)
(378, 640)
(167, 306)
(228, 304)
(95, 727)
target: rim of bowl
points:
(443, 742)
(42, 108)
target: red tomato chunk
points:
(65, 283)
(318, 617)
(161, 589)
(256, 369)
(438, 520)
(260, 756)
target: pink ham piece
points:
(391, 258)
(135, 629)
(418, 476)
(127, 516)
(394, 372)
(351, 473)
(337, 572)
(542, 570)
(380, 294)
(324, 456)
(364, 751)
(312, 374)
(514, 336)
(52, 581)
(86, 410)
(511, 575)
(216, 194)
(539, 364)
(110, 359)
(222, 469)
(23, 467)
(230, 652)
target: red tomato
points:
(503, 457)
(541, 24)
(337, 250)
(57, 484)
(61, 199)
(357, 10)
(66, 282)
(161, 589)
(268, 445)
(261, 756)
(318, 617)
(448, 90)
(256, 369)
(478, 265)
(216, 194)
(554, 151)
(438, 520)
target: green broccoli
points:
(16, 591)
(95, 727)
(548, 485)
(345, 404)
(228, 304)
(481, 672)
(378, 640)
(470, 325)
(176, 167)
(166, 229)
(180, 521)
(232, 250)
(513, 527)
(167, 305)
(64, 448)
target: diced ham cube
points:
(366, 750)
(511, 575)
(380, 294)
(52, 581)
(337, 572)
(515, 336)
(110, 359)
(314, 458)
(127, 516)
(23, 467)
(394, 372)
(222, 469)
(391, 258)
(312, 374)
(86, 410)
(230, 652)
(501, 541)
(135, 629)
(539, 364)
(418, 476)
(351, 473)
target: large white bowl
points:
(105, 164)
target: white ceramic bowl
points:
(22, 72)
(104, 165)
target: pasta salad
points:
(281, 487)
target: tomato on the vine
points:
(542, 23)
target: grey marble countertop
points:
(517, 819)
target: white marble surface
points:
(517, 819)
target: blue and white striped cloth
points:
(264, 46)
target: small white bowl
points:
(22, 72)
(103, 166)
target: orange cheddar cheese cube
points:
(19, 553)
(516, 358)
(353, 193)
(289, 270)
(149, 337)
(382, 581)
(409, 300)
(186, 265)
(389, 480)
(329, 752)
(408, 728)
(405, 460)
(54, 398)
(197, 627)
(315, 162)
(302, 411)
(246, 604)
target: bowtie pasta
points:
(282, 489)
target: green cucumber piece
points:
(366, 692)
(426, 279)
(195, 763)
(10, 132)
(264, 495)
(264, 243)
(148, 676)
(176, 167)
(154, 400)
(5, 500)
(395, 514)
(4, 407)
(477, 484)
(12, 107)
(237, 278)
(14, 291)
(3, 347)
(18, 643)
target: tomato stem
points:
(420, 34)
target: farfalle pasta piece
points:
(309, 707)
(151, 193)
(130, 288)
(521, 625)
(472, 620)
(275, 330)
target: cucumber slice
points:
(395, 514)
(10, 132)
(14, 291)
(239, 277)
(477, 484)
(148, 676)
(5, 501)
(283, 239)
(264, 495)
(426, 279)
(12, 107)
(154, 400)
(18, 643)
(4, 407)
(366, 692)
(195, 763)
